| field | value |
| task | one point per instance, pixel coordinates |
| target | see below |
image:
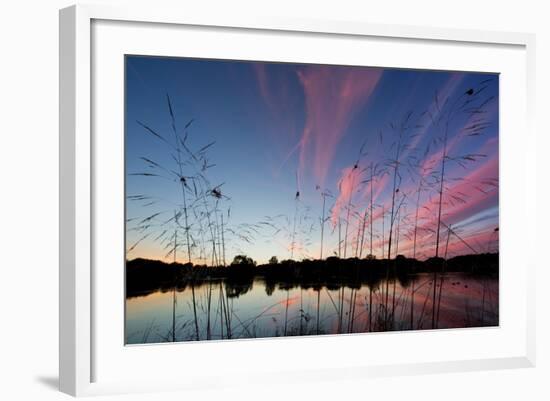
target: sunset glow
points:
(280, 129)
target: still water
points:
(219, 311)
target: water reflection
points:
(231, 309)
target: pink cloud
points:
(349, 177)
(434, 158)
(434, 109)
(347, 184)
(332, 98)
(479, 196)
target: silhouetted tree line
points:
(144, 276)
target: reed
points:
(200, 230)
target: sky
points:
(278, 141)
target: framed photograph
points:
(354, 198)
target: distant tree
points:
(370, 256)
(273, 260)
(243, 260)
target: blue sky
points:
(282, 128)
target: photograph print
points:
(272, 199)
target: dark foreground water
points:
(218, 311)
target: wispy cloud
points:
(333, 95)
(347, 184)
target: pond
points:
(218, 310)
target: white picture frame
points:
(79, 314)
